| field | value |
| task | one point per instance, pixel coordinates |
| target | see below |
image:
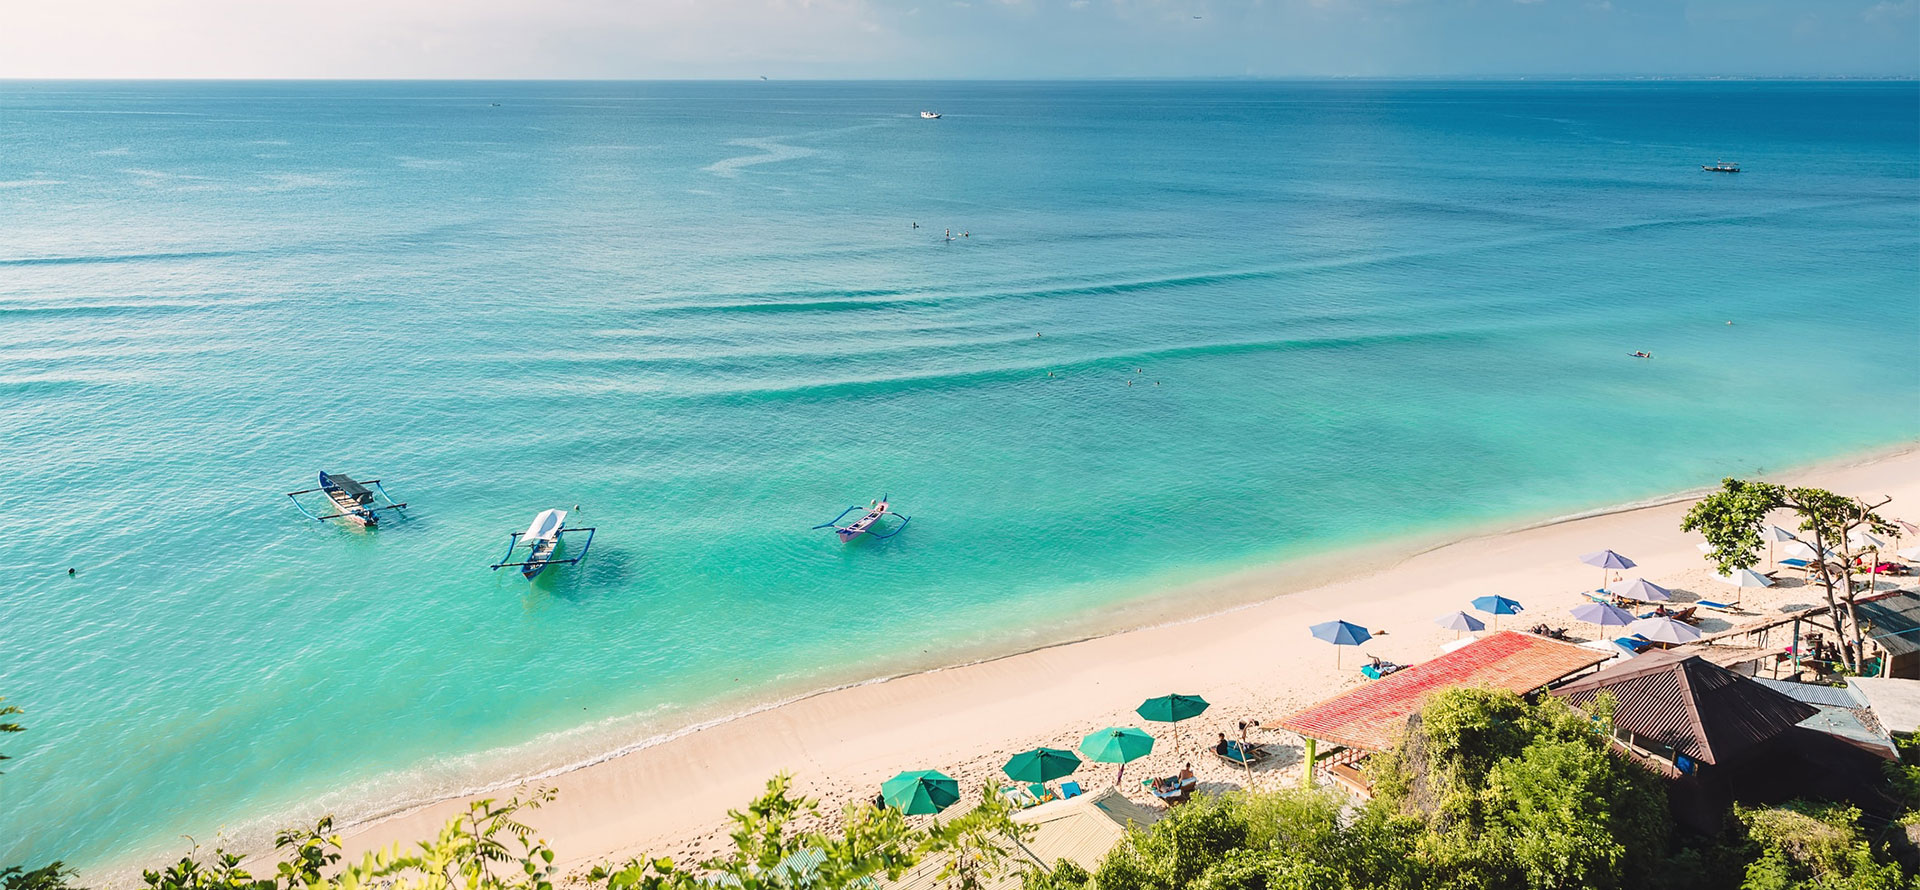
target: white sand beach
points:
(1253, 663)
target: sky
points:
(952, 39)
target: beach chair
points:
(1069, 790)
(1686, 615)
(1242, 757)
(1019, 796)
(1723, 607)
(1635, 644)
(1041, 793)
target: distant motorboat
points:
(930, 115)
(1720, 167)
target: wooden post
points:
(1307, 778)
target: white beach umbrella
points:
(1746, 578)
(1803, 550)
(1703, 547)
(1774, 534)
(1910, 553)
(1662, 629)
(1866, 540)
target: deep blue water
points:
(1348, 311)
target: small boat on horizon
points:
(876, 510)
(543, 539)
(352, 500)
(930, 115)
(1720, 167)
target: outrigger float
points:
(543, 537)
(876, 510)
(352, 501)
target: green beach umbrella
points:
(920, 792)
(1041, 765)
(1117, 745)
(1172, 709)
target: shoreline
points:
(611, 804)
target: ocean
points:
(1181, 330)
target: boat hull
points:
(350, 510)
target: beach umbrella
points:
(1172, 709)
(920, 792)
(1703, 547)
(1662, 629)
(1340, 633)
(1910, 553)
(1866, 540)
(1606, 560)
(1776, 535)
(1603, 614)
(1746, 578)
(1117, 745)
(1460, 622)
(1497, 606)
(1804, 550)
(1041, 765)
(1647, 592)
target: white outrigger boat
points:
(543, 539)
(352, 501)
(876, 510)
(930, 115)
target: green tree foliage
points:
(485, 848)
(1513, 794)
(49, 877)
(1731, 520)
(1815, 848)
(1287, 840)
(770, 854)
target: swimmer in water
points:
(916, 225)
(69, 571)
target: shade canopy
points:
(1116, 744)
(1341, 633)
(544, 525)
(1603, 614)
(1607, 559)
(1497, 605)
(1646, 591)
(1747, 578)
(1171, 708)
(1662, 629)
(920, 792)
(1460, 621)
(1041, 765)
(1910, 553)
(1777, 534)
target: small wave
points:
(771, 151)
(120, 257)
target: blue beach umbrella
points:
(1340, 633)
(1460, 621)
(1497, 606)
(1606, 560)
(1603, 614)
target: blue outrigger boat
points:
(352, 501)
(543, 540)
(876, 510)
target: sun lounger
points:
(1175, 791)
(1635, 644)
(1019, 796)
(1041, 793)
(1069, 790)
(1686, 615)
(1236, 756)
(1724, 607)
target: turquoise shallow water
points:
(699, 311)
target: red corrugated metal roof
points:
(1371, 716)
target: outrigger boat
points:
(352, 501)
(1720, 167)
(875, 511)
(543, 537)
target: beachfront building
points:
(1723, 738)
(1892, 623)
(1368, 719)
(1080, 830)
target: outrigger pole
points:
(513, 540)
